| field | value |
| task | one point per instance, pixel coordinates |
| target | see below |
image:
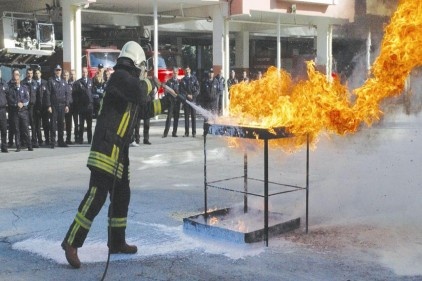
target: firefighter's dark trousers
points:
(100, 185)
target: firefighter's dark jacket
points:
(125, 101)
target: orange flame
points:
(317, 104)
(213, 220)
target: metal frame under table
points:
(253, 133)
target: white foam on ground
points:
(155, 161)
(364, 194)
(177, 241)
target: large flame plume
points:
(324, 105)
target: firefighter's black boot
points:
(117, 242)
(71, 255)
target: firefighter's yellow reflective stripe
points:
(88, 201)
(125, 121)
(115, 153)
(71, 238)
(157, 107)
(149, 85)
(105, 163)
(83, 221)
(106, 168)
(117, 222)
(80, 219)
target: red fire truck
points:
(94, 56)
(166, 61)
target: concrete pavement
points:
(41, 191)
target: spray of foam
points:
(205, 113)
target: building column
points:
(199, 52)
(324, 55)
(72, 30)
(368, 51)
(278, 43)
(226, 68)
(68, 36)
(220, 50)
(218, 40)
(179, 47)
(77, 58)
(242, 50)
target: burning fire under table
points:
(274, 223)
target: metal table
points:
(260, 134)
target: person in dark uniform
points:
(58, 105)
(137, 136)
(98, 88)
(18, 100)
(189, 88)
(145, 122)
(31, 85)
(74, 108)
(83, 93)
(124, 102)
(3, 118)
(245, 77)
(220, 93)
(232, 80)
(174, 110)
(41, 114)
(11, 134)
(68, 117)
(209, 94)
(146, 126)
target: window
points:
(108, 59)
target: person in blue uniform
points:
(31, 85)
(189, 88)
(18, 100)
(174, 110)
(83, 92)
(41, 114)
(58, 105)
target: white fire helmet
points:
(134, 51)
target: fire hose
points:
(169, 90)
(119, 159)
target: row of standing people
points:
(78, 101)
(208, 94)
(86, 96)
(50, 105)
(188, 87)
(30, 103)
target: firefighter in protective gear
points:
(124, 102)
